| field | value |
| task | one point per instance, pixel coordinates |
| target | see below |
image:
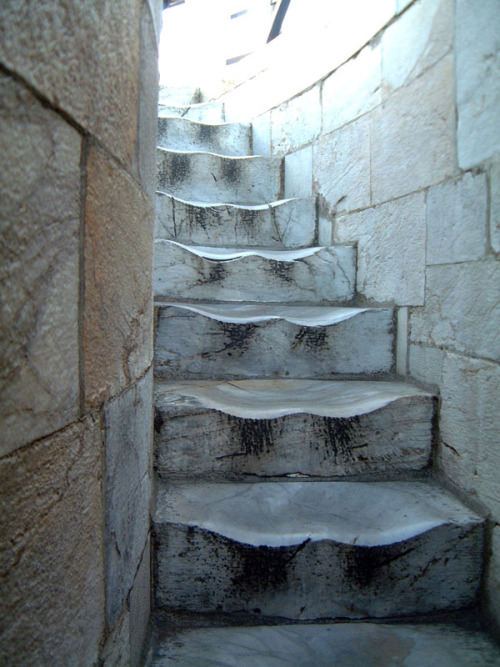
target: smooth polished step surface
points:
(184, 134)
(311, 550)
(208, 112)
(310, 275)
(329, 645)
(291, 427)
(271, 340)
(208, 177)
(288, 223)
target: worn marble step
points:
(310, 275)
(289, 223)
(227, 340)
(179, 95)
(188, 135)
(291, 427)
(325, 645)
(311, 550)
(208, 177)
(207, 112)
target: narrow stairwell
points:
(293, 467)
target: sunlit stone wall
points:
(78, 86)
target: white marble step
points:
(291, 427)
(207, 112)
(288, 223)
(179, 95)
(325, 645)
(208, 177)
(187, 135)
(310, 275)
(310, 550)
(227, 340)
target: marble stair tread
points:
(183, 134)
(314, 550)
(271, 340)
(211, 177)
(280, 224)
(181, 95)
(314, 275)
(323, 645)
(270, 427)
(209, 112)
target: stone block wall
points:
(78, 92)
(400, 142)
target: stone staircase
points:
(292, 465)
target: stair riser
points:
(290, 224)
(207, 112)
(325, 276)
(201, 571)
(205, 177)
(190, 345)
(397, 437)
(184, 135)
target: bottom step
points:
(342, 645)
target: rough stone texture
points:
(461, 310)
(353, 89)
(39, 223)
(192, 345)
(298, 173)
(321, 275)
(287, 223)
(116, 651)
(413, 135)
(495, 207)
(206, 177)
(478, 80)
(457, 220)
(426, 363)
(261, 134)
(51, 567)
(206, 112)
(391, 249)
(140, 604)
(349, 550)
(128, 440)
(494, 574)
(297, 122)
(117, 338)
(96, 81)
(186, 135)
(341, 167)
(417, 41)
(396, 435)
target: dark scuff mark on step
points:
(282, 270)
(179, 168)
(311, 337)
(255, 435)
(206, 132)
(217, 273)
(239, 336)
(158, 421)
(231, 170)
(336, 434)
(365, 565)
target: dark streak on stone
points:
(158, 421)
(282, 270)
(311, 337)
(179, 168)
(231, 170)
(364, 565)
(255, 435)
(336, 434)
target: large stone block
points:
(39, 222)
(413, 135)
(478, 80)
(416, 41)
(52, 583)
(261, 134)
(118, 309)
(457, 225)
(140, 605)
(84, 58)
(298, 173)
(341, 167)
(461, 310)
(296, 122)
(426, 363)
(495, 207)
(391, 249)
(128, 423)
(353, 89)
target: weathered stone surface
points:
(416, 41)
(285, 427)
(461, 309)
(353, 89)
(426, 363)
(495, 207)
(128, 440)
(326, 645)
(493, 581)
(413, 135)
(310, 275)
(261, 134)
(39, 223)
(51, 583)
(298, 173)
(116, 651)
(187, 135)
(206, 112)
(140, 604)
(456, 220)
(478, 79)
(233, 340)
(391, 249)
(341, 167)
(287, 223)
(207, 177)
(324, 550)
(84, 58)
(296, 122)
(179, 95)
(117, 337)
